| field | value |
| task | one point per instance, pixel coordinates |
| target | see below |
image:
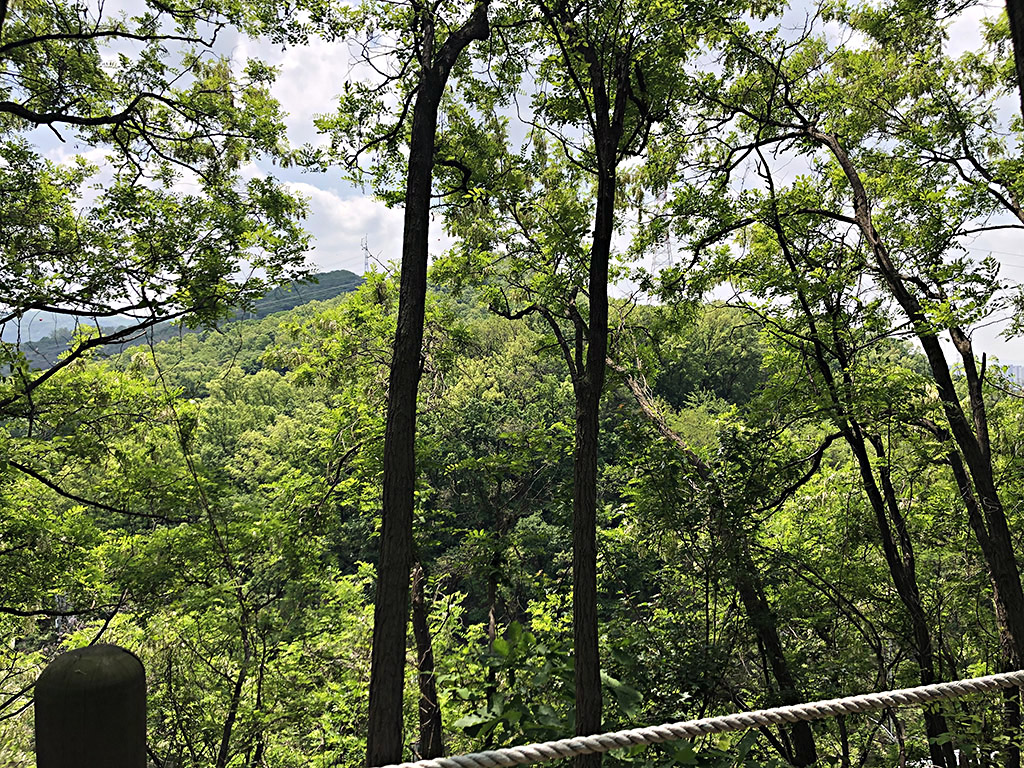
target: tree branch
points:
(88, 502)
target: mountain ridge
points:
(318, 287)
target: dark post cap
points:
(91, 710)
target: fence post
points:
(91, 710)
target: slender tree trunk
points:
(390, 613)
(901, 736)
(899, 557)
(224, 752)
(971, 442)
(1011, 720)
(762, 618)
(588, 390)
(391, 605)
(261, 740)
(745, 578)
(491, 678)
(430, 744)
(584, 576)
(844, 742)
(975, 518)
(491, 681)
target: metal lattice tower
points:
(663, 255)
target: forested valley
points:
(690, 415)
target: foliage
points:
(171, 114)
(210, 499)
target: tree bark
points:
(588, 390)
(430, 744)
(390, 611)
(586, 659)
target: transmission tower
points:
(662, 255)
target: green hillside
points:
(320, 287)
(251, 455)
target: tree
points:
(346, 349)
(613, 69)
(150, 93)
(861, 121)
(718, 354)
(138, 253)
(731, 499)
(829, 331)
(431, 40)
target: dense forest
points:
(692, 417)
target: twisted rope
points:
(815, 710)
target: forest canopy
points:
(693, 414)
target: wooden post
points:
(91, 710)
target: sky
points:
(343, 217)
(346, 222)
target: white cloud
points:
(339, 223)
(965, 31)
(308, 81)
(310, 78)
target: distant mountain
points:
(320, 287)
(44, 351)
(35, 326)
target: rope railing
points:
(688, 729)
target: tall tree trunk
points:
(430, 744)
(391, 604)
(975, 518)
(844, 742)
(586, 659)
(588, 389)
(1011, 720)
(972, 443)
(224, 751)
(491, 680)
